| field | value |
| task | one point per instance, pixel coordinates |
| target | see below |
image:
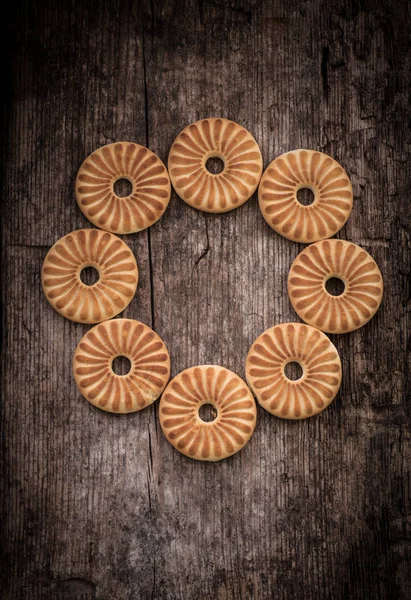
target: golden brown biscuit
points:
(215, 138)
(318, 358)
(150, 193)
(116, 266)
(148, 375)
(230, 397)
(324, 176)
(360, 274)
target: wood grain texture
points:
(101, 506)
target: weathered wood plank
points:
(306, 501)
(102, 507)
(77, 83)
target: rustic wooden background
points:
(101, 506)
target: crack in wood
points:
(207, 248)
(149, 244)
(154, 579)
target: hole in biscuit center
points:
(293, 371)
(122, 187)
(207, 412)
(121, 365)
(335, 286)
(215, 165)
(89, 275)
(305, 196)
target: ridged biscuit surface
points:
(143, 384)
(211, 138)
(360, 274)
(227, 393)
(292, 171)
(150, 193)
(318, 358)
(116, 266)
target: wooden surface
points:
(101, 506)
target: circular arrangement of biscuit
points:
(141, 386)
(318, 358)
(324, 176)
(325, 260)
(150, 187)
(116, 267)
(183, 400)
(231, 400)
(227, 141)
